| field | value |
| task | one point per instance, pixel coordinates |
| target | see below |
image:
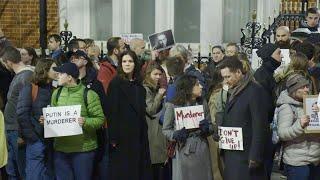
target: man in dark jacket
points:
(12, 60)
(271, 60)
(88, 77)
(248, 113)
(5, 75)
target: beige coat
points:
(216, 106)
(157, 141)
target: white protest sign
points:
(188, 117)
(257, 61)
(128, 37)
(310, 102)
(230, 138)
(61, 121)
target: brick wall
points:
(19, 20)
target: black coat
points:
(246, 110)
(5, 80)
(129, 153)
(264, 76)
(29, 112)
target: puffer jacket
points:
(29, 112)
(299, 148)
(93, 115)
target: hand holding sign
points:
(81, 121)
(304, 121)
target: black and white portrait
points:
(162, 40)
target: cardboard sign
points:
(188, 117)
(308, 103)
(162, 40)
(61, 121)
(257, 61)
(128, 37)
(230, 138)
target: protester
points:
(157, 141)
(32, 98)
(301, 151)
(74, 155)
(247, 113)
(191, 151)
(128, 131)
(3, 144)
(16, 159)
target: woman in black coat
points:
(129, 153)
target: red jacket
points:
(106, 73)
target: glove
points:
(204, 126)
(180, 135)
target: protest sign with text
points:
(230, 138)
(61, 121)
(188, 117)
(128, 37)
(309, 102)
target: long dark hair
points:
(184, 89)
(40, 75)
(136, 71)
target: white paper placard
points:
(61, 121)
(314, 124)
(230, 138)
(128, 37)
(188, 117)
(257, 61)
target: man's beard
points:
(283, 44)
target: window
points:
(100, 19)
(236, 15)
(143, 17)
(187, 21)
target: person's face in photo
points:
(312, 19)
(162, 39)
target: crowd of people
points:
(128, 99)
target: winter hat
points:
(266, 50)
(295, 82)
(68, 68)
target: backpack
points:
(85, 94)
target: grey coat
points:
(192, 159)
(157, 141)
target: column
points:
(121, 17)
(164, 15)
(211, 24)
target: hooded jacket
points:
(299, 148)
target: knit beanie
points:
(266, 51)
(295, 82)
